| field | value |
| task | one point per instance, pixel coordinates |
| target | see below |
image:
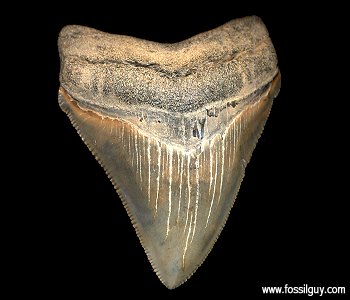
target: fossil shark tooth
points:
(173, 126)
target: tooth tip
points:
(170, 283)
(167, 261)
(172, 276)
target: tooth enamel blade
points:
(173, 126)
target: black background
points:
(290, 220)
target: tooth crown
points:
(173, 126)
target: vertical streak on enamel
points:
(103, 126)
(228, 142)
(222, 167)
(159, 149)
(140, 160)
(170, 181)
(129, 148)
(180, 192)
(232, 130)
(189, 190)
(211, 167)
(206, 129)
(249, 112)
(203, 153)
(234, 140)
(239, 127)
(226, 114)
(247, 117)
(144, 157)
(122, 135)
(137, 153)
(163, 162)
(197, 197)
(212, 199)
(245, 120)
(149, 169)
(185, 249)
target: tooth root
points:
(178, 201)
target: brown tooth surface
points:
(177, 172)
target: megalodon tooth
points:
(173, 125)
